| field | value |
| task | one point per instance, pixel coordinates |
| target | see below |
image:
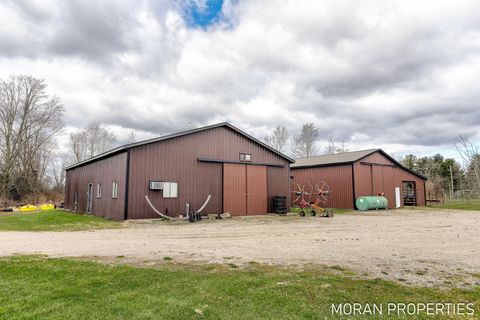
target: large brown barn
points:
(361, 173)
(241, 173)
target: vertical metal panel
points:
(235, 189)
(385, 179)
(278, 182)
(369, 180)
(103, 172)
(339, 178)
(256, 190)
(176, 160)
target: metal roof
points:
(346, 158)
(337, 158)
(175, 135)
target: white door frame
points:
(398, 202)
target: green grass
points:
(297, 210)
(54, 220)
(460, 205)
(35, 287)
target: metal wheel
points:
(313, 213)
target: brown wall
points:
(175, 160)
(104, 172)
(278, 183)
(256, 190)
(235, 188)
(339, 179)
(385, 179)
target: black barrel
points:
(280, 204)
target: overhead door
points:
(244, 189)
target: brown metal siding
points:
(369, 180)
(339, 179)
(278, 181)
(176, 160)
(103, 172)
(256, 190)
(385, 179)
(235, 189)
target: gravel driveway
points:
(421, 246)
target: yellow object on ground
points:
(28, 208)
(46, 207)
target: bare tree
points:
(93, 140)
(278, 139)
(57, 172)
(471, 159)
(132, 137)
(304, 143)
(333, 148)
(29, 121)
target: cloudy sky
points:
(400, 75)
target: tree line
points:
(448, 173)
(30, 119)
(303, 144)
(31, 167)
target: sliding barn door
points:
(256, 190)
(244, 189)
(234, 189)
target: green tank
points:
(371, 202)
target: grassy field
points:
(35, 287)
(461, 205)
(54, 220)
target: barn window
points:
(99, 190)
(170, 190)
(245, 157)
(115, 190)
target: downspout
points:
(289, 179)
(371, 179)
(127, 182)
(353, 185)
(424, 193)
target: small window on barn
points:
(245, 157)
(99, 190)
(115, 190)
(170, 190)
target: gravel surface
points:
(417, 247)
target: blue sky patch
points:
(204, 15)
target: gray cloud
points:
(389, 74)
(93, 30)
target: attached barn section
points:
(361, 173)
(241, 174)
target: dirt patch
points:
(416, 247)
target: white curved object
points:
(204, 204)
(155, 209)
